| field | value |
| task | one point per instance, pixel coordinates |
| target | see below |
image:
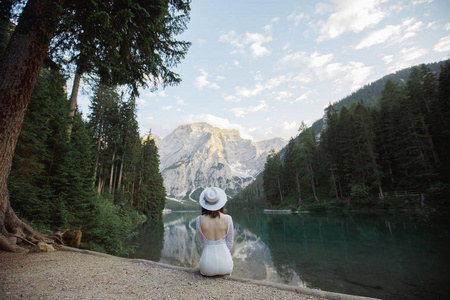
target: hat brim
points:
(221, 203)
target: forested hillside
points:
(370, 152)
(371, 92)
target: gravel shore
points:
(76, 274)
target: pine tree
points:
(441, 121)
(388, 130)
(105, 129)
(328, 145)
(151, 197)
(417, 159)
(272, 179)
(346, 154)
(38, 149)
(368, 171)
(73, 180)
(308, 156)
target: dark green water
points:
(389, 256)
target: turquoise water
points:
(389, 256)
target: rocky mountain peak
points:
(198, 155)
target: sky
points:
(263, 67)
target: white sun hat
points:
(212, 198)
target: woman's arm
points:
(199, 231)
(230, 234)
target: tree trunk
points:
(73, 100)
(99, 185)
(298, 189)
(112, 173)
(19, 69)
(121, 171)
(333, 179)
(279, 188)
(97, 153)
(313, 186)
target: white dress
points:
(216, 257)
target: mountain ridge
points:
(198, 155)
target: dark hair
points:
(211, 213)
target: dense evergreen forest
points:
(387, 153)
(92, 173)
(102, 180)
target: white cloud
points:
(219, 122)
(141, 101)
(353, 16)
(283, 96)
(260, 87)
(168, 107)
(295, 58)
(285, 130)
(303, 78)
(443, 45)
(230, 98)
(241, 112)
(231, 38)
(317, 60)
(302, 97)
(246, 92)
(214, 86)
(180, 101)
(354, 73)
(202, 81)
(323, 68)
(269, 26)
(258, 77)
(416, 2)
(433, 25)
(276, 81)
(388, 58)
(162, 94)
(254, 40)
(405, 58)
(296, 18)
(447, 26)
(379, 36)
(392, 33)
(323, 8)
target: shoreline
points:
(72, 273)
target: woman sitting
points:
(215, 232)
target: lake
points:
(383, 255)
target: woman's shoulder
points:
(228, 217)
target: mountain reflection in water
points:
(403, 256)
(251, 256)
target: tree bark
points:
(298, 189)
(112, 173)
(279, 188)
(73, 100)
(121, 171)
(313, 186)
(19, 69)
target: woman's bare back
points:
(214, 229)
